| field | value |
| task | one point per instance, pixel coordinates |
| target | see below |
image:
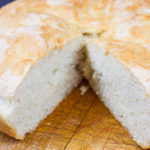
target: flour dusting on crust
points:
(4, 45)
(57, 2)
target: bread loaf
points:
(42, 59)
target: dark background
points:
(3, 2)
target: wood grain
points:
(78, 123)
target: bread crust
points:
(8, 129)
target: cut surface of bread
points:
(119, 74)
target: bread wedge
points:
(37, 70)
(119, 73)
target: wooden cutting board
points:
(80, 122)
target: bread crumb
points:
(48, 123)
(83, 89)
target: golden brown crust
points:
(24, 42)
(133, 54)
(88, 15)
(92, 16)
(46, 34)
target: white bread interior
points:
(120, 90)
(47, 83)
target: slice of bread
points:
(37, 59)
(119, 73)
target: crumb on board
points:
(83, 89)
(48, 123)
